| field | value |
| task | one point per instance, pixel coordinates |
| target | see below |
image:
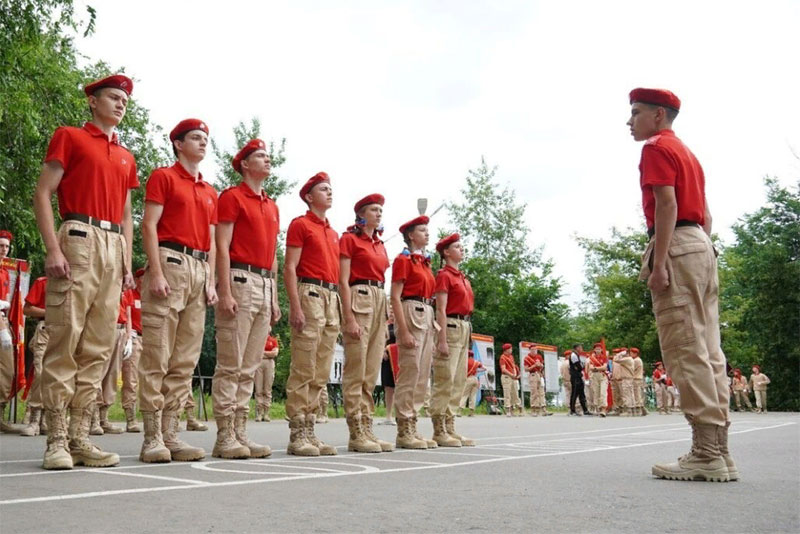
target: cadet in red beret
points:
(455, 303)
(680, 265)
(534, 365)
(311, 275)
(472, 384)
(598, 366)
(130, 363)
(510, 374)
(362, 265)
(180, 218)
(247, 265)
(412, 302)
(34, 310)
(638, 383)
(87, 263)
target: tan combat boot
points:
(265, 417)
(722, 443)
(440, 435)
(324, 448)
(358, 441)
(179, 450)
(366, 428)
(192, 424)
(57, 455)
(130, 421)
(405, 435)
(43, 424)
(703, 462)
(240, 430)
(322, 418)
(105, 424)
(471, 412)
(534, 412)
(450, 427)
(94, 425)
(32, 428)
(5, 427)
(625, 412)
(258, 417)
(298, 444)
(417, 434)
(153, 448)
(83, 451)
(226, 445)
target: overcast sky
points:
(402, 98)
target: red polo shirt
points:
(97, 172)
(320, 256)
(135, 303)
(535, 361)
(368, 257)
(36, 293)
(415, 272)
(460, 299)
(190, 206)
(507, 365)
(667, 161)
(255, 225)
(657, 375)
(124, 300)
(271, 344)
(472, 366)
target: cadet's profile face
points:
(258, 163)
(5, 247)
(193, 146)
(598, 351)
(320, 196)
(419, 236)
(372, 214)
(455, 252)
(109, 105)
(643, 121)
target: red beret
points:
(617, 350)
(567, 353)
(422, 219)
(470, 354)
(314, 180)
(6, 234)
(657, 97)
(139, 273)
(446, 242)
(598, 346)
(117, 81)
(249, 148)
(757, 366)
(187, 125)
(506, 346)
(374, 198)
(634, 350)
(659, 363)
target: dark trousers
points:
(577, 393)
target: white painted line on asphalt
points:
(142, 475)
(207, 466)
(373, 470)
(459, 453)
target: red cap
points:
(470, 354)
(446, 242)
(117, 81)
(6, 234)
(657, 97)
(249, 148)
(567, 353)
(374, 198)
(187, 125)
(139, 273)
(659, 364)
(617, 350)
(757, 366)
(506, 346)
(314, 180)
(422, 219)
(634, 351)
(597, 346)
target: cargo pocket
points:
(417, 315)
(58, 302)
(76, 245)
(227, 342)
(154, 325)
(453, 332)
(360, 300)
(674, 322)
(690, 262)
(647, 261)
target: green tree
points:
(760, 298)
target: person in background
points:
(758, 383)
(472, 385)
(510, 375)
(34, 309)
(265, 376)
(741, 390)
(576, 374)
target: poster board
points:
(483, 347)
(550, 365)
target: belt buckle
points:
(105, 225)
(198, 254)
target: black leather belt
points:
(373, 283)
(103, 225)
(652, 231)
(459, 317)
(177, 247)
(424, 300)
(266, 273)
(318, 282)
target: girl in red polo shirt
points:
(362, 264)
(412, 292)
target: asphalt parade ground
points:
(526, 474)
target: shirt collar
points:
(248, 191)
(313, 217)
(453, 270)
(374, 239)
(183, 173)
(97, 132)
(666, 131)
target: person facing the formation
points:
(638, 383)
(311, 275)
(740, 390)
(362, 264)
(758, 383)
(180, 218)
(576, 374)
(534, 365)
(247, 264)
(680, 267)
(412, 291)
(88, 261)
(509, 375)
(472, 384)
(598, 365)
(455, 303)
